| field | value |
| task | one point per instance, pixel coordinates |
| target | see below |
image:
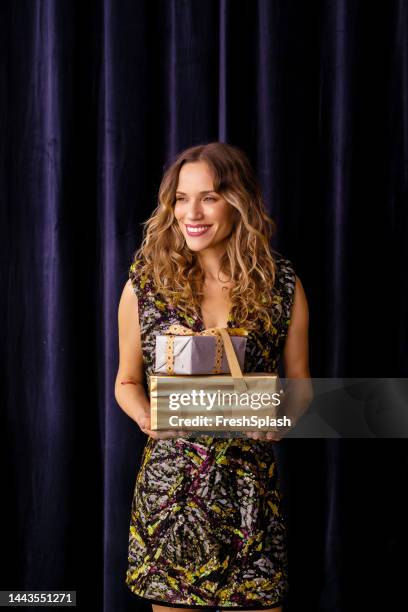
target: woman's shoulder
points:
(285, 270)
(138, 276)
(285, 281)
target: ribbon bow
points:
(181, 330)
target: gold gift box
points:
(232, 400)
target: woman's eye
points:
(181, 199)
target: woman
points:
(206, 533)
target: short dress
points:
(207, 528)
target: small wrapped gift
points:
(182, 351)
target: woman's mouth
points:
(197, 230)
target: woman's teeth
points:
(198, 230)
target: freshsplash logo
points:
(232, 422)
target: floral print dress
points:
(206, 526)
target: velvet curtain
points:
(96, 98)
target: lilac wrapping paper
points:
(196, 354)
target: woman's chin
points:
(196, 246)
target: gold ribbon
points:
(223, 341)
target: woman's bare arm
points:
(132, 398)
(299, 389)
(295, 355)
(296, 350)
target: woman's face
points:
(204, 217)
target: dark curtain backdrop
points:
(96, 97)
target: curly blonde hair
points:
(175, 271)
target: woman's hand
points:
(271, 436)
(144, 423)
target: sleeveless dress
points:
(207, 527)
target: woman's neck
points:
(210, 260)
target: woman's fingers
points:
(273, 436)
(255, 435)
(144, 423)
(161, 435)
(263, 435)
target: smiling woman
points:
(231, 261)
(204, 220)
(207, 528)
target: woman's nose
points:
(194, 210)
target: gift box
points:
(222, 388)
(217, 403)
(182, 351)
